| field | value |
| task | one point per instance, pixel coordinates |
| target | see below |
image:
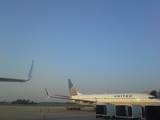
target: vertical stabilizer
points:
(72, 90)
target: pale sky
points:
(102, 46)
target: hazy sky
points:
(102, 46)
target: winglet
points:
(48, 95)
(30, 72)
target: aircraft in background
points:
(117, 99)
(18, 80)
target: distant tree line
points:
(19, 101)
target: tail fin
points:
(30, 72)
(72, 90)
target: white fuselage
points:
(129, 98)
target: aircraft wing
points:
(18, 80)
(67, 97)
(12, 80)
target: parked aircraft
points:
(118, 99)
(18, 80)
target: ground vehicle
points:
(73, 108)
(136, 112)
(105, 110)
(128, 111)
(151, 112)
(118, 111)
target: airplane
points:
(18, 80)
(117, 99)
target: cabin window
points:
(151, 97)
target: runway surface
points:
(44, 113)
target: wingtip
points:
(48, 95)
(47, 98)
(47, 92)
(30, 72)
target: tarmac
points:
(45, 113)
